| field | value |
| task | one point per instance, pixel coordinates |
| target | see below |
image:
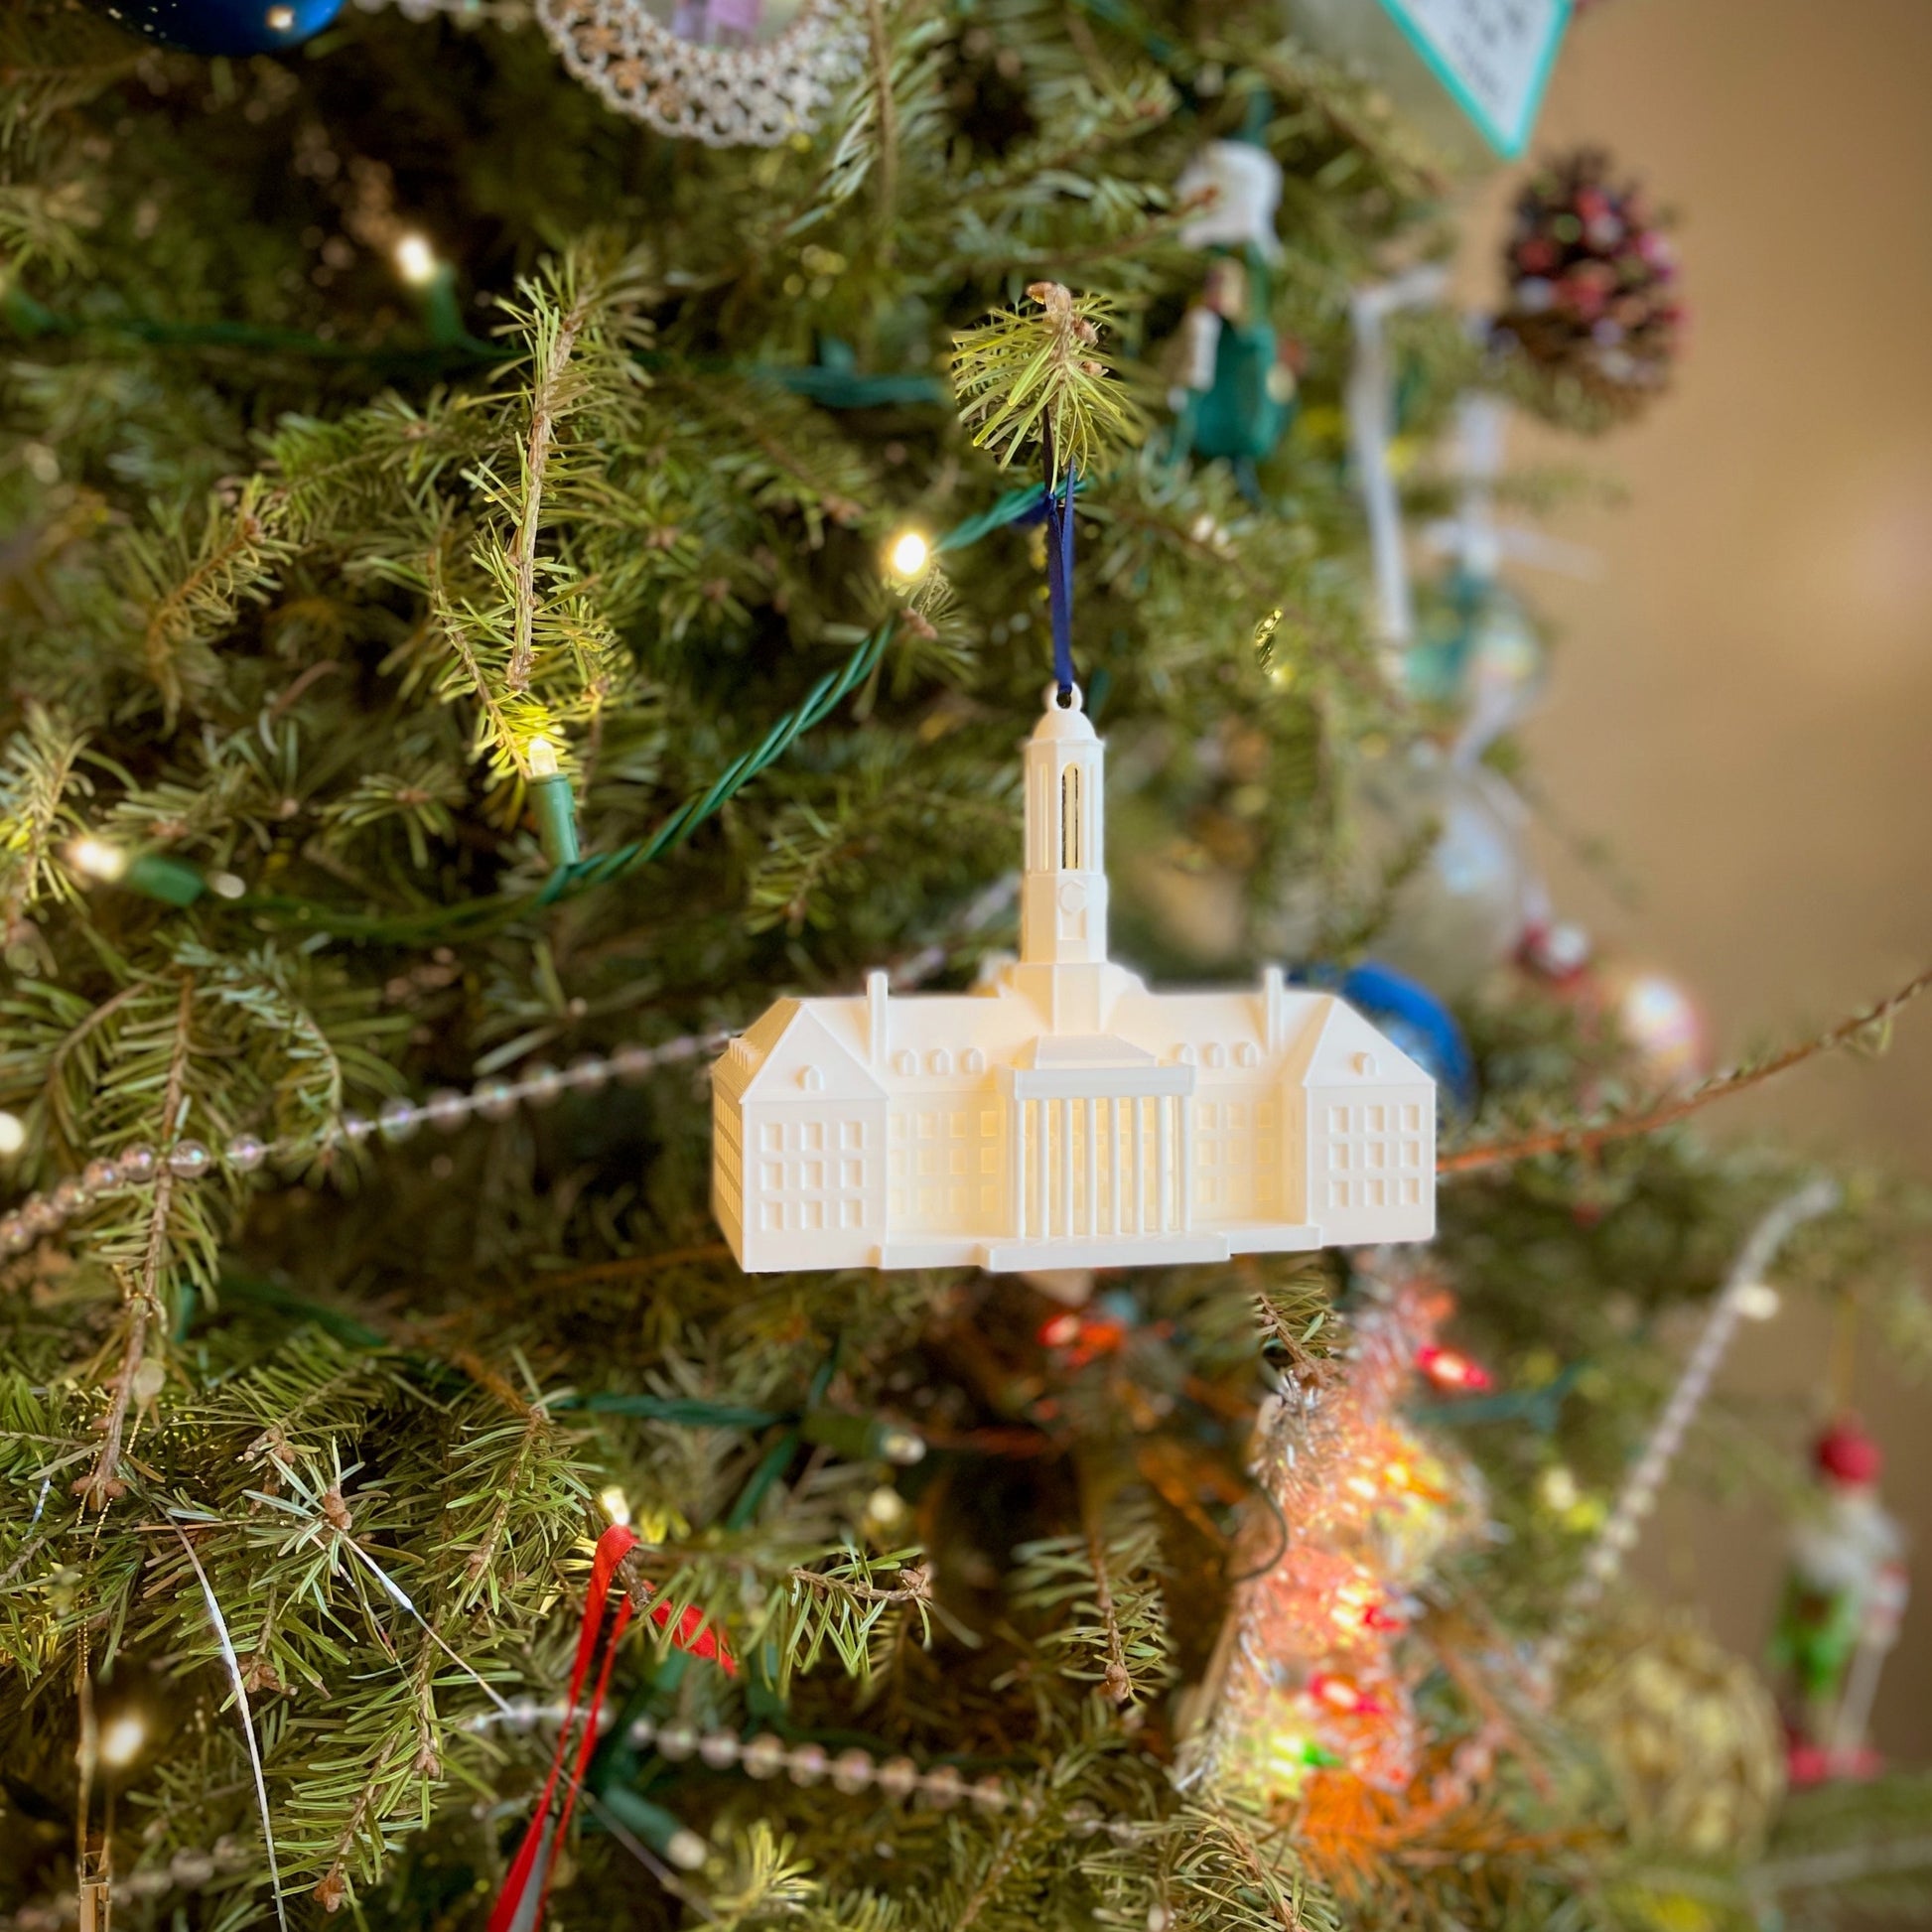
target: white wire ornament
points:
(704, 78)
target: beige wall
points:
(1743, 703)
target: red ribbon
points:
(691, 1634)
(611, 1547)
(696, 1636)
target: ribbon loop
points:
(1059, 581)
(519, 1906)
(529, 1865)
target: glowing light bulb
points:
(1558, 1489)
(615, 1504)
(121, 1740)
(1358, 1606)
(885, 1508)
(12, 1134)
(1757, 1301)
(98, 858)
(281, 20)
(909, 554)
(1449, 1369)
(1351, 1605)
(1339, 1694)
(415, 260)
(543, 758)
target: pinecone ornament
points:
(1592, 317)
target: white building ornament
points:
(1063, 1116)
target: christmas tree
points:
(498, 592)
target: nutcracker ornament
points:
(1843, 1600)
(1236, 393)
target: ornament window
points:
(1070, 858)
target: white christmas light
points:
(1757, 1301)
(121, 1740)
(615, 1504)
(98, 858)
(416, 260)
(12, 1134)
(1558, 1489)
(885, 1508)
(543, 758)
(909, 554)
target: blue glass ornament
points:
(232, 27)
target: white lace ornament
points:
(724, 95)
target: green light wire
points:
(818, 703)
(601, 869)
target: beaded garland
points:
(397, 1119)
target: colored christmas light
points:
(1450, 1369)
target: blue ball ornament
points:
(232, 27)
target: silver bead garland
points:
(851, 1771)
(188, 1870)
(492, 1098)
(766, 1755)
